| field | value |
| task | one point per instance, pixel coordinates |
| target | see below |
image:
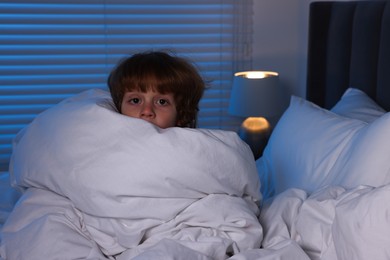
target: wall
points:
(280, 41)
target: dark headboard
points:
(349, 46)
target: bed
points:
(92, 184)
(327, 162)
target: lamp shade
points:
(255, 94)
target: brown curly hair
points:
(164, 73)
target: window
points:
(54, 49)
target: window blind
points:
(51, 50)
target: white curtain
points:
(53, 49)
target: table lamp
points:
(257, 96)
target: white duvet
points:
(102, 185)
(331, 223)
(99, 185)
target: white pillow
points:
(356, 104)
(312, 147)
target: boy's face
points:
(156, 108)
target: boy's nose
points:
(147, 110)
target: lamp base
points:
(255, 131)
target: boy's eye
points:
(162, 102)
(134, 100)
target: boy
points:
(157, 87)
